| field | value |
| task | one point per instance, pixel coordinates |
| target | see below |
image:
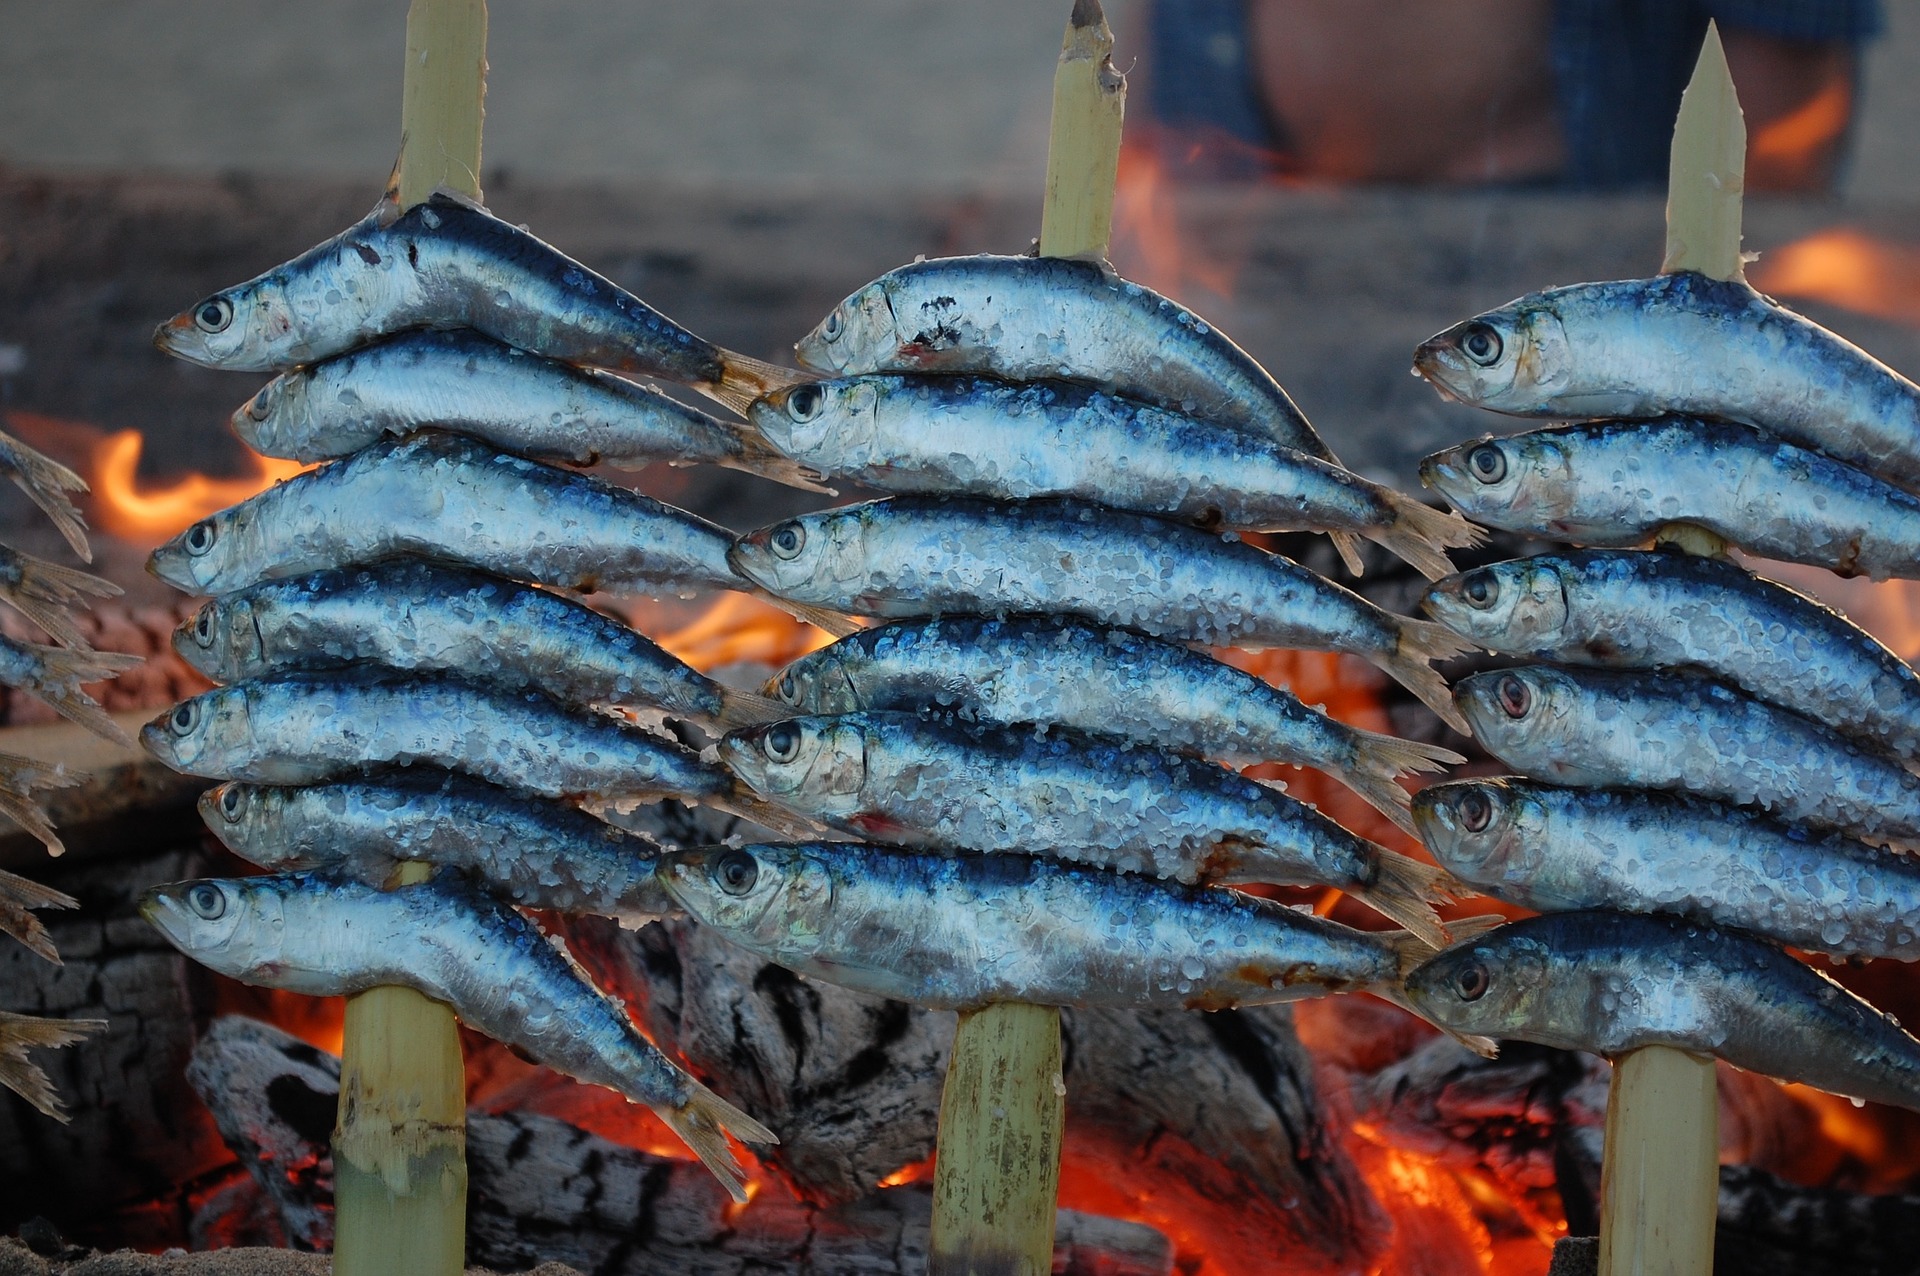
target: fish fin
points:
(17, 896)
(1462, 929)
(744, 379)
(1422, 641)
(786, 823)
(1389, 755)
(1405, 890)
(1419, 535)
(18, 1034)
(20, 779)
(835, 623)
(64, 669)
(1384, 796)
(757, 456)
(703, 1122)
(1347, 545)
(31, 894)
(45, 590)
(47, 482)
(748, 709)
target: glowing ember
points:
(126, 509)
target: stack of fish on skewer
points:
(1710, 760)
(409, 674)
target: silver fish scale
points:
(302, 729)
(1553, 849)
(1119, 805)
(1665, 610)
(958, 932)
(1013, 441)
(519, 402)
(1614, 982)
(431, 617)
(1615, 485)
(537, 853)
(444, 497)
(1036, 318)
(1636, 730)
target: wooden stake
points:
(997, 1172)
(399, 1150)
(1660, 1185)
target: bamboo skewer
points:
(1660, 1184)
(997, 1168)
(399, 1147)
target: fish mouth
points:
(156, 740)
(161, 912)
(1438, 472)
(169, 563)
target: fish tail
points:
(1405, 890)
(61, 673)
(1376, 765)
(835, 623)
(17, 896)
(703, 1123)
(1384, 796)
(20, 1033)
(46, 590)
(1410, 952)
(47, 482)
(1420, 535)
(1347, 545)
(748, 709)
(1421, 642)
(748, 806)
(20, 779)
(744, 379)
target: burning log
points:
(546, 1191)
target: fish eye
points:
(1482, 344)
(213, 315)
(200, 537)
(208, 900)
(203, 626)
(804, 402)
(788, 688)
(1488, 463)
(782, 742)
(832, 328)
(1471, 983)
(1480, 588)
(1515, 697)
(186, 717)
(736, 871)
(787, 540)
(260, 406)
(233, 803)
(1476, 811)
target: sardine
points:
(18, 898)
(448, 940)
(420, 615)
(47, 482)
(1663, 611)
(1615, 485)
(449, 263)
(1099, 679)
(1688, 344)
(1596, 729)
(1553, 850)
(43, 592)
(1001, 440)
(453, 499)
(911, 781)
(537, 853)
(21, 1033)
(22, 780)
(522, 403)
(921, 556)
(959, 932)
(1610, 983)
(54, 674)
(311, 728)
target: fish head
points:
(859, 335)
(1495, 985)
(773, 898)
(820, 682)
(236, 926)
(245, 327)
(800, 419)
(1518, 712)
(818, 765)
(251, 821)
(806, 559)
(1513, 359)
(204, 735)
(222, 640)
(196, 559)
(1513, 606)
(1523, 480)
(1477, 829)
(274, 420)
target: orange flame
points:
(739, 629)
(1149, 245)
(152, 514)
(1848, 268)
